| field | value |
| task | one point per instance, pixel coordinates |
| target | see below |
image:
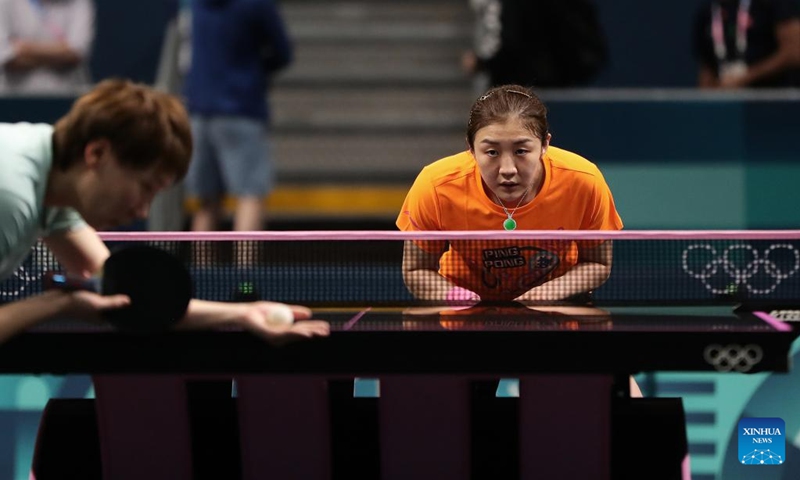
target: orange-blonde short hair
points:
(144, 126)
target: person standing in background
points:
(748, 43)
(45, 45)
(541, 43)
(236, 47)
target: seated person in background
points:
(510, 178)
(45, 45)
(100, 166)
(748, 43)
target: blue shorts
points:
(231, 156)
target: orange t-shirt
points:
(449, 195)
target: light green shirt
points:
(26, 156)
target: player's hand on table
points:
(88, 305)
(540, 294)
(461, 296)
(260, 319)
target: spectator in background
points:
(748, 43)
(542, 43)
(45, 45)
(236, 46)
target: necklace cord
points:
(510, 215)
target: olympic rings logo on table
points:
(741, 273)
(786, 315)
(733, 357)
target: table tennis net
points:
(367, 268)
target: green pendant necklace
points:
(509, 223)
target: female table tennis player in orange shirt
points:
(100, 166)
(509, 178)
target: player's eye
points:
(522, 151)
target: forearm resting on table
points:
(203, 314)
(421, 273)
(23, 314)
(255, 318)
(582, 278)
(427, 284)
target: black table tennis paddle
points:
(157, 283)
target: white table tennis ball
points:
(280, 316)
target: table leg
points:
(565, 426)
(284, 427)
(424, 427)
(143, 426)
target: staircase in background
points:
(375, 93)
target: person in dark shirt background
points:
(537, 43)
(748, 43)
(236, 47)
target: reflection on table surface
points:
(510, 316)
(518, 317)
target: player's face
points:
(509, 157)
(115, 195)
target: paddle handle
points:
(70, 283)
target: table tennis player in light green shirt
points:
(25, 162)
(98, 167)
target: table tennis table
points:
(492, 339)
(667, 306)
(425, 358)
